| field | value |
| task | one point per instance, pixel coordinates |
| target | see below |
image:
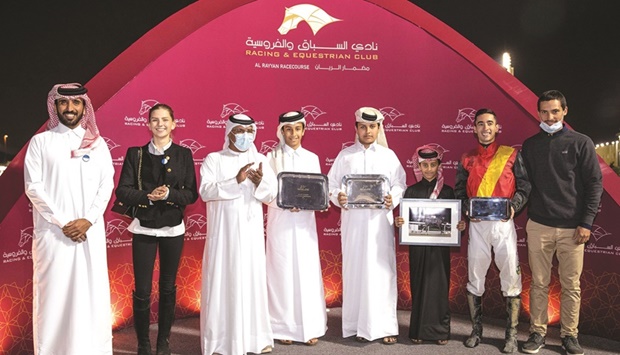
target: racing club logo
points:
(230, 109)
(146, 106)
(390, 112)
(268, 146)
(314, 16)
(465, 114)
(312, 111)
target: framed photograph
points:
(306, 191)
(430, 222)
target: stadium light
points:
(507, 63)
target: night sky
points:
(572, 46)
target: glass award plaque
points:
(365, 190)
(306, 191)
(489, 208)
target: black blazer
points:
(178, 174)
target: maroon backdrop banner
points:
(326, 59)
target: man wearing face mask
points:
(566, 191)
(235, 182)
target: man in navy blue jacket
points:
(566, 191)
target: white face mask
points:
(243, 141)
(551, 129)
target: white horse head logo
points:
(146, 106)
(314, 16)
(111, 144)
(196, 220)
(191, 144)
(231, 109)
(116, 226)
(268, 146)
(312, 111)
(25, 235)
(390, 112)
(464, 113)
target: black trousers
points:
(144, 250)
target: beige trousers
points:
(542, 242)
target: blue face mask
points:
(551, 129)
(243, 141)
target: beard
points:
(68, 121)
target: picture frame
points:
(430, 222)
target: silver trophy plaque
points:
(365, 190)
(489, 208)
(306, 191)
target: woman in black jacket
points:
(160, 180)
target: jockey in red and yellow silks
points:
(490, 171)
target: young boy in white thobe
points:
(367, 235)
(294, 279)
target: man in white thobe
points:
(367, 235)
(69, 180)
(235, 182)
(294, 279)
